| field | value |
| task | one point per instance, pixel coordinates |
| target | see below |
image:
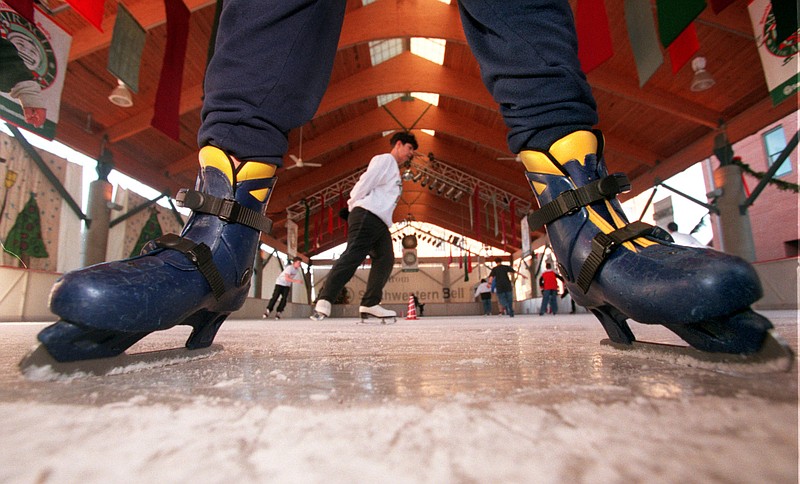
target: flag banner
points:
(22, 7)
(594, 36)
(91, 10)
(166, 117)
(44, 49)
(674, 16)
(719, 5)
(778, 59)
(683, 48)
(291, 237)
(525, 231)
(125, 52)
(643, 39)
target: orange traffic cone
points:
(412, 308)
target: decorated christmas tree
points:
(24, 240)
(150, 231)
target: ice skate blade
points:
(774, 356)
(38, 365)
(370, 319)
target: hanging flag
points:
(683, 48)
(450, 260)
(340, 207)
(321, 218)
(125, 52)
(512, 222)
(471, 214)
(22, 7)
(594, 36)
(291, 237)
(49, 45)
(469, 262)
(778, 59)
(166, 117)
(476, 194)
(719, 5)
(674, 16)
(643, 38)
(330, 219)
(503, 228)
(91, 10)
(494, 214)
(306, 242)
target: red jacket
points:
(549, 281)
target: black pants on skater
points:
(279, 292)
(367, 235)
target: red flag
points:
(166, 117)
(513, 222)
(23, 7)
(91, 10)
(477, 196)
(683, 48)
(469, 262)
(321, 220)
(719, 5)
(330, 220)
(594, 36)
(340, 208)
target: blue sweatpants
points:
(272, 62)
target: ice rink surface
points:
(533, 399)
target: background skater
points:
(289, 276)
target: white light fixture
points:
(121, 95)
(702, 79)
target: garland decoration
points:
(779, 184)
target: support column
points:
(736, 234)
(99, 213)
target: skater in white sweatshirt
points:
(371, 204)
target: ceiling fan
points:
(298, 159)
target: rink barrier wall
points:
(24, 294)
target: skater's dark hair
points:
(498, 260)
(297, 259)
(404, 137)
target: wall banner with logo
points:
(44, 48)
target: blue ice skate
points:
(622, 270)
(195, 279)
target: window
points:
(774, 144)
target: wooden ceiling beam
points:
(424, 76)
(409, 18)
(654, 98)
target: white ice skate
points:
(378, 312)
(321, 310)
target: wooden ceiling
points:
(651, 132)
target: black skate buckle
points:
(225, 208)
(200, 255)
(571, 201)
(603, 245)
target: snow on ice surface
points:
(435, 400)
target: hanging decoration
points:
(24, 240)
(594, 36)
(683, 48)
(306, 242)
(643, 38)
(22, 7)
(91, 10)
(150, 231)
(674, 16)
(778, 56)
(166, 117)
(125, 52)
